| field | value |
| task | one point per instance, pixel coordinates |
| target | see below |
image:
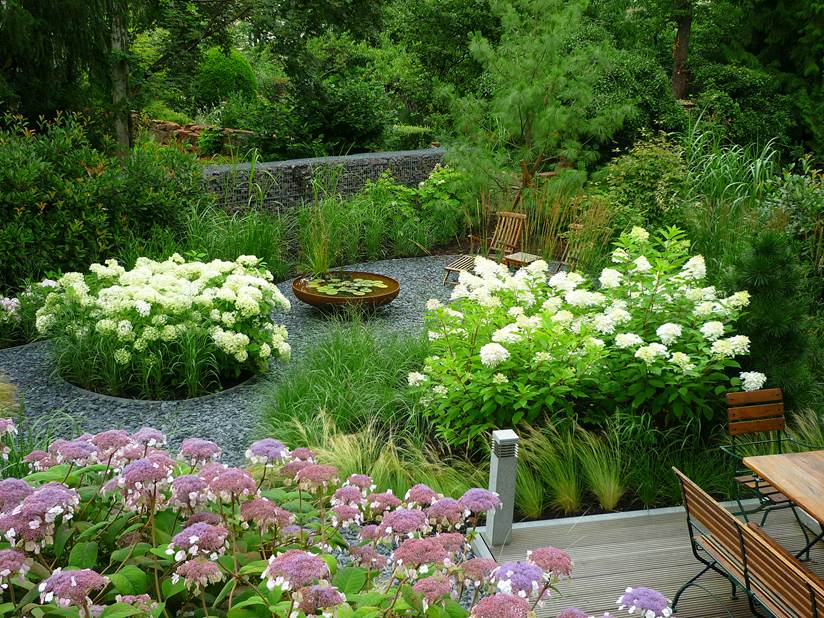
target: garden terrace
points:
(639, 548)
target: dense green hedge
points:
(221, 74)
(65, 203)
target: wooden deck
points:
(645, 548)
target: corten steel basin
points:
(371, 300)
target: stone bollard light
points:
(502, 471)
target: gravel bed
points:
(229, 418)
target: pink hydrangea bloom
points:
(344, 515)
(433, 589)
(232, 484)
(76, 452)
(552, 560)
(31, 523)
(447, 513)
(143, 602)
(294, 568)
(143, 480)
(413, 553)
(7, 426)
(519, 578)
(383, 501)
(319, 597)
(212, 470)
(109, 442)
(402, 522)
(361, 481)
(39, 461)
(501, 605)
(421, 495)
(198, 573)
(197, 451)
(316, 477)
(367, 556)
(348, 494)
(453, 542)
(478, 570)
(206, 517)
(291, 469)
(572, 612)
(198, 539)
(265, 514)
(303, 454)
(13, 564)
(71, 587)
(149, 437)
(369, 532)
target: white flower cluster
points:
(164, 301)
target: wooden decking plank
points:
(645, 550)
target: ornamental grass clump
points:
(166, 329)
(647, 335)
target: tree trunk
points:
(680, 51)
(120, 74)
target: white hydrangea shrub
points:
(646, 334)
(154, 312)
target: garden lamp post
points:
(502, 471)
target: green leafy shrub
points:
(221, 74)
(158, 110)
(650, 339)
(171, 328)
(64, 203)
(407, 137)
(210, 141)
(646, 184)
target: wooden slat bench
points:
(507, 238)
(743, 553)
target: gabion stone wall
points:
(279, 184)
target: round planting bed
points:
(310, 290)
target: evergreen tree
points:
(536, 107)
(777, 318)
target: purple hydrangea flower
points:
(76, 452)
(71, 587)
(143, 602)
(7, 426)
(368, 556)
(553, 561)
(572, 612)
(206, 517)
(143, 479)
(188, 491)
(348, 494)
(13, 565)
(479, 500)
(149, 437)
(402, 522)
(447, 513)
(291, 469)
(453, 542)
(12, 493)
(197, 451)
(232, 484)
(199, 539)
(648, 602)
(265, 514)
(422, 495)
(39, 461)
(32, 521)
(369, 532)
(518, 578)
(294, 569)
(267, 451)
(433, 589)
(198, 573)
(501, 605)
(212, 470)
(319, 597)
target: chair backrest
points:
(773, 572)
(709, 517)
(508, 234)
(755, 411)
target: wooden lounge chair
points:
(749, 414)
(507, 238)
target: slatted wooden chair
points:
(755, 424)
(714, 537)
(776, 579)
(507, 238)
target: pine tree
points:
(778, 315)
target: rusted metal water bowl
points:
(370, 300)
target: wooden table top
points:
(799, 476)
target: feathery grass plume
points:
(602, 463)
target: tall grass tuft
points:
(603, 467)
(551, 453)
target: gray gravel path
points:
(229, 418)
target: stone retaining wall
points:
(279, 184)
